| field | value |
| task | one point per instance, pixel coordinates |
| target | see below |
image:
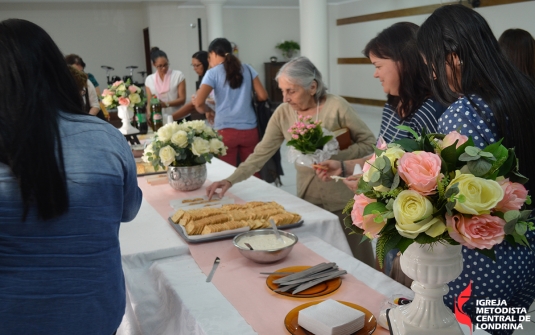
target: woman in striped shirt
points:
(402, 72)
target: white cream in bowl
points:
(264, 242)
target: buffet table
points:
(165, 277)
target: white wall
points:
(350, 40)
(102, 34)
(256, 31)
(112, 33)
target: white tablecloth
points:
(163, 295)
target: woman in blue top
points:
(232, 83)
(67, 180)
(489, 99)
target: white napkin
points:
(331, 318)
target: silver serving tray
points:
(218, 236)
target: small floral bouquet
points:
(310, 143)
(123, 94)
(184, 144)
(441, 189)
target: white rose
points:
(167, 155)
(148, 149)
(180, 138)
(216, 146)
(200, 146)
(107, 100)
(165, 132)
(197, 125)
(209, 131)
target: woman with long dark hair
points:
(489, 99)
(519, 47)
(168, 85)
(402, 73)
(199, 62)
(232, 83)
(67, 181)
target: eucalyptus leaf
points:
(380, 163)
(376, 175)
(466, 157)
(472, 151)
(509, 227)
(521, 228)
(395, 181)
(479, 167)
(374, 206)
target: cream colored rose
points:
(121, 88)
(107, 100)
(216, 146)
(148, 149)
(209, 131)
(393, 154)
(180, 138)
(481, 195)
(200, 146)
(410, 207)
(197, 125)
(167, 155)
(134, 98)
(165, 132)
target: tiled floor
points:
(372, 117)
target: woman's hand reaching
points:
(224, 185)
(326, 169)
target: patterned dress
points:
(512, 276)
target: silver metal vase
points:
(186, 178)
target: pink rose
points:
(133, 88)
(381, 143)
(371, 228)
(106, 92)
(124, 101)
(420, 170)
(514, 196)
(295, 137)
(479, 231)
(452, 137)
(117, 83)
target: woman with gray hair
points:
(305, 94)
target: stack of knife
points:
(302, 280)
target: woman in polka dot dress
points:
(489, 99)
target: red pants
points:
(240, 144)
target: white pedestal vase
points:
(431, 267)
(126, 115)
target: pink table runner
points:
(238, 278)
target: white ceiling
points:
(227, 3)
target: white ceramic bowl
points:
(265, 256)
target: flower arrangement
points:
(307, 135)
(440, 189)
(123, 94)
(288, 47)
(183, 144)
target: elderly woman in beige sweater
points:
(305, 94)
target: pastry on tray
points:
(255, 214)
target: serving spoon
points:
(276, 231)
(248, 245)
